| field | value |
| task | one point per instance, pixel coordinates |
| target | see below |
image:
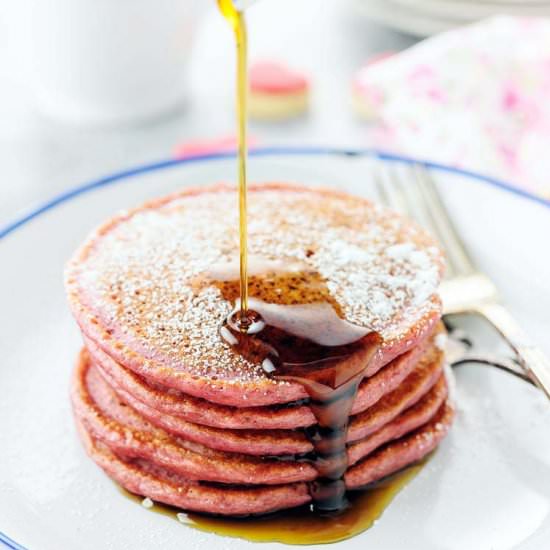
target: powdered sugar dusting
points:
(381, 270)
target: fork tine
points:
(383, 196)
(400, 193)
(458, 257)
(416, 206)
(388, 192)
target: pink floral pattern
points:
(476, 97)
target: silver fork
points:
(465, 289)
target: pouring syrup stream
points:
(238, 23)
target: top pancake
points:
(133, 285)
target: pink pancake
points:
(146, 479)
(163, 401)
(161, 485)
(281, 442)
(171, 412)
(401, 452)
(127, 434)
(128, 285)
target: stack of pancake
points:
(172, 413)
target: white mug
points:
(109, 61)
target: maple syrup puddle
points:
(300, 526)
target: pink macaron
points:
(277, 91)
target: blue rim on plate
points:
(73, 192)
(117, 177)
(9, 543)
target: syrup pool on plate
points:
(300, 526)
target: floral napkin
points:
(477, 97)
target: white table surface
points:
(40, 157)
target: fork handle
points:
(531, 358)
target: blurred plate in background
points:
(427, 17)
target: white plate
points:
(466, 10)
(403, 19)
(488, 487)
(428, 17)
